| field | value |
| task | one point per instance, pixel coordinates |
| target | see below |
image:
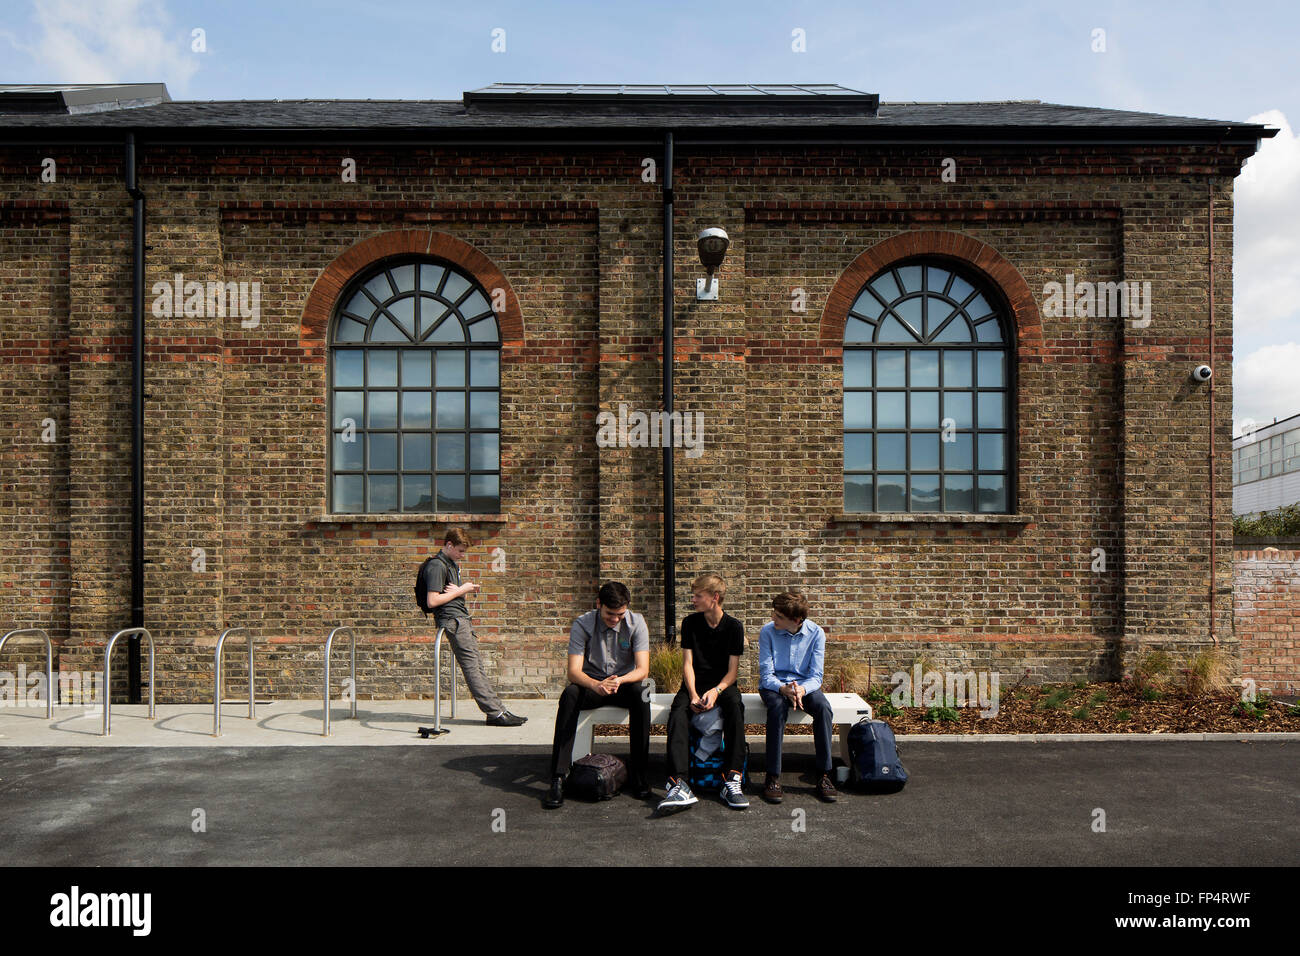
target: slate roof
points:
(846, 114)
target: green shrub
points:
(885, 708)
(947, 714)
(1257, 710)
(1055, 700)
(1123, 715)
(1082, 713)
(1283, 522)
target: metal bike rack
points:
(49, 663)
(108, 661)
(329, 642)
(218, 687)
(437, 680)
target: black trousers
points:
(576, 699)
(679, 731)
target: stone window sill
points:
(449, 518)
(932, 517)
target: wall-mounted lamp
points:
(713, 245)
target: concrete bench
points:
(848, 711)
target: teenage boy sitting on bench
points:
(609, 657)
(712, 642)
(791, 661)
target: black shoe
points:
(826, 790)
(505, 719)
(639, 789)
(772, 791)
(555, 796)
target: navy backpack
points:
(876, 767)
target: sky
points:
(1218, 61)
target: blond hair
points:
(711, 584)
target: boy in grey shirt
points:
(609, 657)
(447, 602)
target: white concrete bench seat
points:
(849, 709)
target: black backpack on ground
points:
(874, 753)
(596, 777)
(422, 587)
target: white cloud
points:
(1266, 278)
(1266, 287)
(1265, 385)
(110, 41)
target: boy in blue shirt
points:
(791, 664)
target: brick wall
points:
(1112, 440)
(1266, 595)
(34, 502)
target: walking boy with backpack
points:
(439, 589)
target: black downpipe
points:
(670, 546)
(137, 422)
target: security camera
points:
(1202, 373)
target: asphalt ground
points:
(1165, 803)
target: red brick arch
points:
(950, 245)
(330, 283)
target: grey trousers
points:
(465, 645)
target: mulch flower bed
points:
(1109, 707)
(1114, 708)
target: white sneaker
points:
(679, 796)
(731, 793)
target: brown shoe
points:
(772, 791)
(826, 790)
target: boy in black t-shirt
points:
(712, 642)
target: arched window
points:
(415, 393)
(927, 393)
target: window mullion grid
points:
(975, 347)
(399, 431)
